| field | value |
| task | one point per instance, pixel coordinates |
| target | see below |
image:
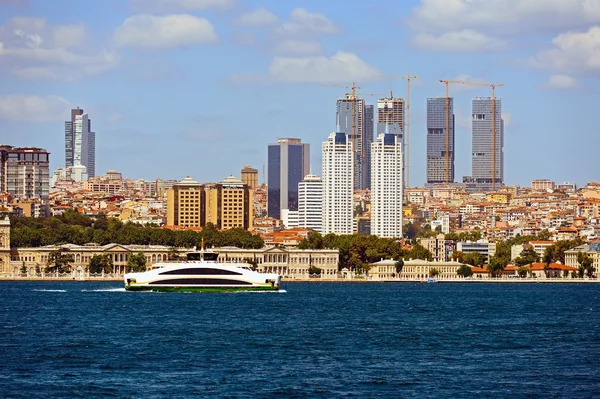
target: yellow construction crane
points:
(493, 86)
(408, 77)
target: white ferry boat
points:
(201, 273)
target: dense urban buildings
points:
(80, 142)
(542, 184)
(386, 186)
(338, 181)
(288, 163)
(356, 120)
(250, 177)
(310, 203)
(24, 172)
(488, 152)
(440, 169)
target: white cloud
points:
(32, 48)
(573, 53)
(186, 5)
(260, 17)
(464, 41)
(342, 67)
(19, 107)
(298, 47)
(561, 82)
(152, 32)
(303, 23)
(504, 17)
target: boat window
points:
(199, 281)
(210, 256)
(204, 271)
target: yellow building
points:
(5, 246)
(499, 197)
(250, 177)
(185, 204)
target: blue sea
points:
(311, 340)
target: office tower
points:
(387, 186)
(390, 118)
(250, 177)
(440, 169)
(484, 151)
(80, 142)
(310, 203)
(288, 163)
(228, 204)
(338, 181)
(360, 130)
(25, 172)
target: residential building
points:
(487, 147)
(440, 168)
(310, 203)
(186, 204)
(111, 182)
(288, 163)
(229, 204)
(338, 181)
(356, 120)
(250, 177)
(80, 142)
(387, 186)
(25, 172)
(439, 247)
(289, 218)
(542, 185)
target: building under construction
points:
(390, 118)
(440, 164)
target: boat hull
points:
(154, 288)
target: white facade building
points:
(289, 218)
(338, 180)
(386, 186)
(310, 203)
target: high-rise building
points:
(440, 170)
(386, 186)
(80, 142)
(360, 130)
(250, 177)
(25, 172)
(483, 144)
(288, 163)
(227, 205)
(390, 118)
(310, 203)
(338, 181)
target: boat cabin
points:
(202, 256)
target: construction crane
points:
(408, 77)
(353, 97)
(493, 86)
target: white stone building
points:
(338, 180)
(310, 203)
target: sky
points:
(199, 88)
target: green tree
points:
(458, 256)
(59, 260)
(473, 258)
(23, 268)
(585, 264)
(314, 240)
(420, 252)
(496, 266)
(137, 262)
(522, 271)
(100, 263)
(358, 210)
(313, 270)
(526, 257)
(399, 265)
(544, 235)
(464, 271)
(101, 222)
(434, 272)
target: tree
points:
(100, 263)
(585, 264)
(526, 257)
(313, 270)
(137, 262)
(23, 268)
(420, 252)
(458, 256)
(464, 271)
(522, 271)
(399, 265)
(496, 266)
(59, 261)
(314, 240)
(544, 235)
(434, 272)
(358, 210)
(473, 258)
(101, 222)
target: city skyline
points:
(142, 94)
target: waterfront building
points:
(310, 203)
(440, 169)
(250, 177)
(25, 172)
(419, 269)
(288, 163)
(338, 181)
(387, 186)
(484, 145)
(356, 120)
(80, 142)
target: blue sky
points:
(201, 87)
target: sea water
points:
(317, 340)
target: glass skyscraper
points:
(437, 171)
(481, 161)
(80, 142)
(288, 163)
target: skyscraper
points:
(390, 118)
(438, 167)
(360, 130)
(310, 203)
(338, 181)
(387, 186)
(25, 172)
(484, 145)
(80, 142)
(288, 163)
